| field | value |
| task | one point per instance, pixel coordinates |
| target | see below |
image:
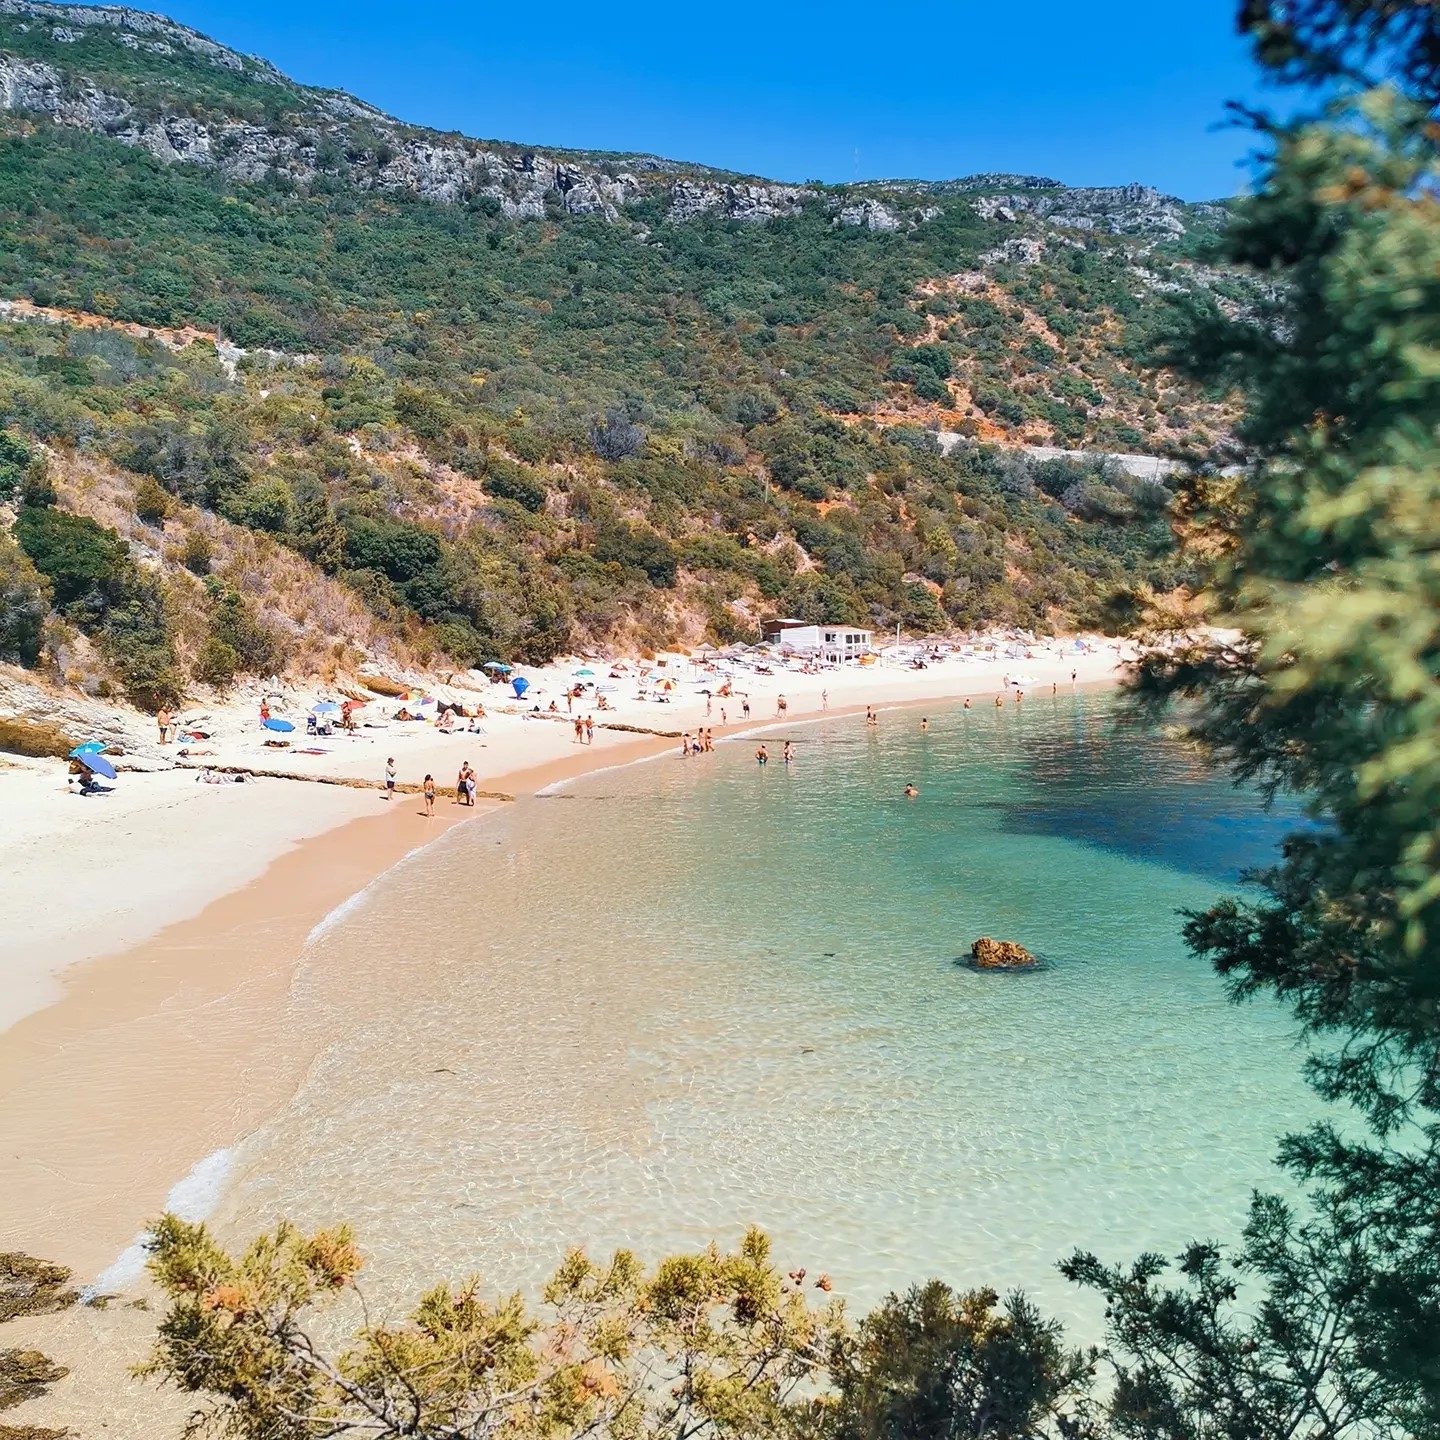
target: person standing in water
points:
(789, 753)
(685, 744)
(966, 705)
(428, 790)
(924, 723)
(762, 756)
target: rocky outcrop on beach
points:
(988, 954)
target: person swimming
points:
(911, 792)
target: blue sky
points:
(794, 89)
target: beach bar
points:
(829, 642)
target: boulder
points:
(988, 954)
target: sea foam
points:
(192, 1198)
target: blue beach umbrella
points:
(283, 726)
(521, 685)
(325, 707)
(496, 665)
(99, 764)
(90, 747)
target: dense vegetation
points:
(512, 436)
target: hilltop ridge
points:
(252, 121)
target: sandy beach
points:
(142, 1011)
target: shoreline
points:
(155, 1057)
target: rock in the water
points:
(991, 954)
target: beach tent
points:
(521, 685)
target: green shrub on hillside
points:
(87, 565)
(25, 597)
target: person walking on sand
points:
(569, 701)
(781, 706)
(723, 720)
(428, 790)
(460, 783)
(707, 704)
(579, 731)
(824, 699)
(745, 706)
(163, 721)
(589, 729)
(390, 773)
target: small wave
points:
(192, 1198)
(346, 907)
(352, 903)
(556, 786)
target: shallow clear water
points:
(684, 996)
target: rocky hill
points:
(509, 398)
(76, 65)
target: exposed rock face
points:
(689, 198)
(1116, 209)
(165, 34)
(870, 214)
(988, 954)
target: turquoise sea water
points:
(683, 996)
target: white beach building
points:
(835, 643)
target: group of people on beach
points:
(465, 785)
(702, 742)
(584, 730)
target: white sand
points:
(94, 876)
